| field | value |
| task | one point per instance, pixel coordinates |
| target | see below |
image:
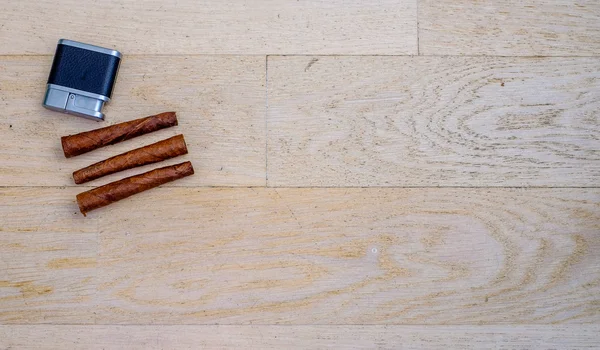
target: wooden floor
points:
(369, 174)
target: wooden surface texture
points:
(396, 174)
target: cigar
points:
(156, 152)
(84, 142)
(115, 191)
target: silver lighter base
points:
(76, 102)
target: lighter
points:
(81, 79)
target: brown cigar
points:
(75, 145)
(156, 152)
(115, 191)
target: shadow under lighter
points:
(81, 79)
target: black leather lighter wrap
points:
(85, 70)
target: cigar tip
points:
(78, 179)
(171, 116)
(181, 139)
(175, 121)
(79, 198)
(185, 168)
(64, 141)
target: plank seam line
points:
(267, 121)
(418, 32)
(516, 327)
(319, 55)
(331, 187)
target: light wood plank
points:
(300, 337)
(350, 256)
(300, 256)
(509, 27)
(47, 257)
(220, 103)
(213, 26)
(433, 121)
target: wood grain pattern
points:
(228, 258)
(219, 102)
(302, 256)
(213, 26)
(351, 256)
(300, 337)
(48, 257)
(433, 121)
(509, 27)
